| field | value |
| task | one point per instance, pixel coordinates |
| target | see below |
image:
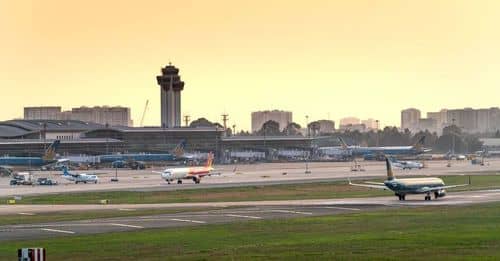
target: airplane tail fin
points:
(419, 145)
(390, 174)
(342, 143)
(179, 149)
(210, 160)
(50, 152)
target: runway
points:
(240, 175)
(240, 212)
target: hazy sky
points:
(320, 58)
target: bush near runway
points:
(453, 232)
(251, 193)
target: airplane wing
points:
(375, 183)
(428, 189)
(376, 186)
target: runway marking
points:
(356, 209)
(58, 231)
(292, 212)
(126, 209)
(242, 216)
(187, 220)
(26, 214)
(125, 225)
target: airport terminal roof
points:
(261, 138)
(7, 131)
(158, 129)
(74, 141)
(51, 125)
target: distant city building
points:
(113, 116)
(42, 113)
(326, 126)
(468, 119)
(371, 124)
(352, 127)
(283, 118)
(441, 118)
(171, 88)
(409, 119)
(427, 124)
(349, 121)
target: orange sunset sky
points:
(320, 58)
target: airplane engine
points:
(440, 194)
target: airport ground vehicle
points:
(132, 164)
(45, 182)
(21, 178)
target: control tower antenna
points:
(187, 118)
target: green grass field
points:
(252, 193)
(430, 233)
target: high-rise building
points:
(428, 124)
(170, 91)
(371, 124)
(468, 119)
(409, 119)
(113, 116)
(349, 121)
(283, 118)
(42, 113)
(326, 126)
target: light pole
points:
(376, 122)
(453, 138)
(307, 171)
(307, 125)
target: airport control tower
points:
(171, 87)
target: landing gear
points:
(428, 197)
(196, 180)
(401, 197)
(179, 181)
(168, 181)
(436, 195)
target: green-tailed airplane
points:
(402, 187)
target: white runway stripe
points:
(26, 214)
(125, 225)
(291, 212)
(243, 216)
(187, 220)
(342, 208)
(57, 230)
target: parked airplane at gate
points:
(374, 152)
(405, 164)
(31, 162)
(402, 187)
(193, 173)
(77, 178)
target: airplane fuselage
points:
(413, 185)
(185, 173)
(24, 161)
